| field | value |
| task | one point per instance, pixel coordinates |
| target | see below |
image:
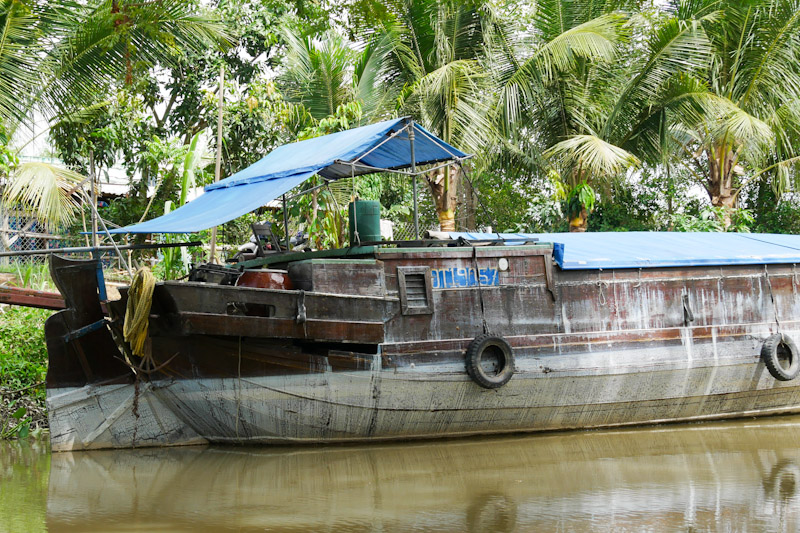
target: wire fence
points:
(21, 232)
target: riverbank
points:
(23, 368)
(23, 351)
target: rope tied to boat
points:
(772, 297)
(137, 312)
(480, 287)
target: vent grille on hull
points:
(416, 293)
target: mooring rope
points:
(480, 286)
(137, 313)
(772, 297)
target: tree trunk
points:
(444, 188)
(720, 180)
(579, 223)
(468, 201)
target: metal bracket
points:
(688, 315)
(301, 308)
(85, 330)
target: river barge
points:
(376, 343)
(463, 335)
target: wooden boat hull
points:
(250, 365)
(699, 377)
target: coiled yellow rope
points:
(137, 313)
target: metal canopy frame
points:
(412, 130)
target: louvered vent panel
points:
(416, 293)
(415, 290)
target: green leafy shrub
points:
(23, 353)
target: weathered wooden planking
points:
(361, 332)
(423, 402)
(592, 349)
(31, 298)
(364, 277)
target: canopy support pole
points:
(97, 217)
(414, 180)
(218, 166)
(286, 223)
(94, 199)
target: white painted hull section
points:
(608, 386)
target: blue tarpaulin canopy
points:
(377, 147)
(608, 250)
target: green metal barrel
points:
(367, 215)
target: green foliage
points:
(17, 425)
(773, 213)
(32, 276)
(580, 197)
(324, 219)
(23, 353)
(92, 130)
(324, 210)
(713, 218)
(585, 90)
(346, 116)
(780, 217)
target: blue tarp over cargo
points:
(608, 250)
(373, 148)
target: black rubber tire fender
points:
(770, 356)
(481, 346)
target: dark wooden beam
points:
(31, 298)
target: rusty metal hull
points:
(384, 357)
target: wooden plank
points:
(249, 326)
(275, 259)
(31, 298)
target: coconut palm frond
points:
(770, 54)
(106, 41)
(20, 46)
(342, 191)
(740, 127)
(594, 40)
(452, 103)
(675, 46)
(318, 72)
(47, 190)
(591, 154)
(376, 81)
(82, 115)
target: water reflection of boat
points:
(727, 477)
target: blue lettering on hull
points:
(447, 278)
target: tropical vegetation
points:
(582, 115)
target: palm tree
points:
(60, 56)
(474, 75)
(325, 72)
(439, 59)
(595, 119)
(751, 122)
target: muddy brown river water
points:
(734, 476)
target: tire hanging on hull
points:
(490, 361)
(778, 350)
